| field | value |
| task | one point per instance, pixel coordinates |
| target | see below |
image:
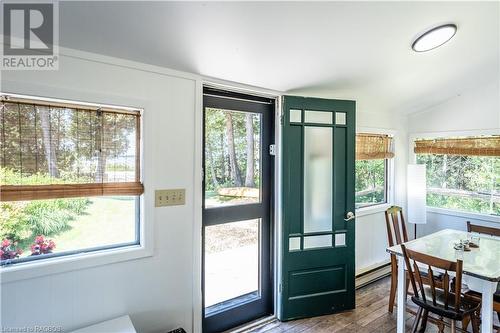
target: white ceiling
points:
(355, 50)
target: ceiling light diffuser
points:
(434, 38)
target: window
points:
(462, 173)
(69, 178)
(373, 152)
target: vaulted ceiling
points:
(355, 50)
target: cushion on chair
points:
(467, 304)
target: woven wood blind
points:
(470, 146)
(373, 146)
(52, 151)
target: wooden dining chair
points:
(482, 230)
(441, 298)
(396, 234)
(474, 294)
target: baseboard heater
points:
(372, 275)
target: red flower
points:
(8, 250)
(42, 246)
(39, 239)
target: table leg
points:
(488, 288)
(401, 306)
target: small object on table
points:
(474, 240)
(462, 246)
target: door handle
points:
(350, 216)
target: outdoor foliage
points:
(370, 182)
(468, 183)
(231, 140)
(9, 250)
(42, 246)
(21, 221)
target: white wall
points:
(473, 112)
(476, 109)
(371, 234)
(157, 291)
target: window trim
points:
(390, 174)
(412, 159)
(97, 257)
(66, 263)
(463, 214)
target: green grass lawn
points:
(106, 221)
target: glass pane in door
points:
(232, 157)
(318, 164)
(231, 264)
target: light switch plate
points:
(172, 197)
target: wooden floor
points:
(370, 316)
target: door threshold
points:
(253, 324)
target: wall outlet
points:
(172, 197)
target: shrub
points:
(13, 221)
(8, 250)
(22, 220)
(42, 246)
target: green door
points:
(317, 261)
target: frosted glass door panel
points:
(313, 242)
(318, 163)
(318, 117)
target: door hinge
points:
(272, 150)
(280, 288)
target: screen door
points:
(238, 168)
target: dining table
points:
(481, 268)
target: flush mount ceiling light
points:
(434, 37)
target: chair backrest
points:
(396, 228)
(444, 282)
(482, 230)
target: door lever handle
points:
(350, 216)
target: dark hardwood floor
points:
(370, 316)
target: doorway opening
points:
(237, 276)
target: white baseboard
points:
(372, 275)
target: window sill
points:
(458, 213)
(372, 209)
(29, 270)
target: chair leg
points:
(392, 295)
(465, 322)
(453, 326)
(417, 320)
(440, 325)
(475, 322)
(423, 326)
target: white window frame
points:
(390, 173)
(65, 263)
(412, 159)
